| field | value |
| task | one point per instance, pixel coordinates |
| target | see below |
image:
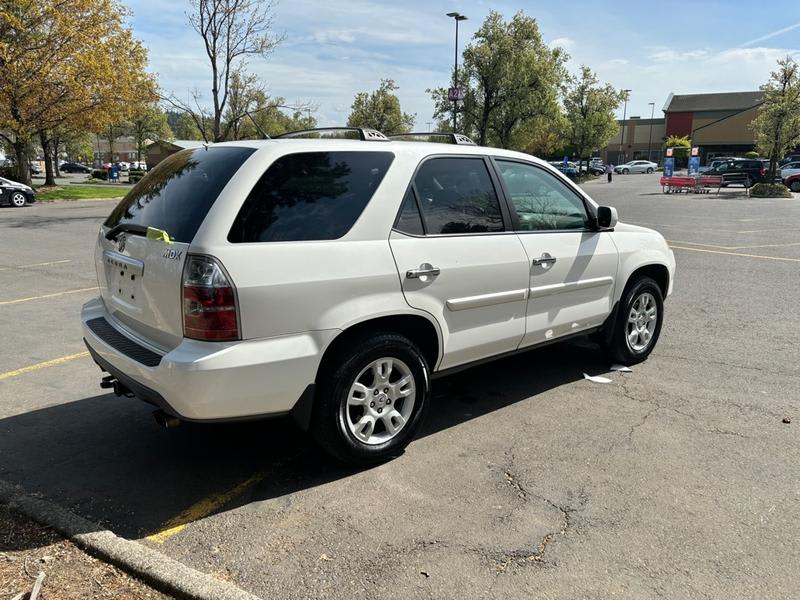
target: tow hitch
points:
(111, 382)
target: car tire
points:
(795, 186)
(634, 314)
(18, 199)
(625, 171)
(354, 408)
(649, 170)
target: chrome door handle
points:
(544, 259)
(425, 270)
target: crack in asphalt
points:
(527, 556)
(656, 406)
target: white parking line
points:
(41, 264)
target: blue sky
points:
(334, 49)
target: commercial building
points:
(643, 139)
(719, 124)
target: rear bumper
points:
(214, 381)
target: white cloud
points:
(562, 42)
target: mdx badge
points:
(173, 254)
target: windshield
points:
(178, 193)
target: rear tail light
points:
(209, 301)
(763, 171)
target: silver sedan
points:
(636, 166)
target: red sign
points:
(695, 151)
(669, 151)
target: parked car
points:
(123, 166)
(789, 169)
(332, 280)
(570, 170)
(740, 171)
(139, 165)
(35, 169)
(636, 166)
(790, 158)
(793, 182)
(15, 194)
(73, 167)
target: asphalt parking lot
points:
(677, 480)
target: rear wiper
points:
(126, 228)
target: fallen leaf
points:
(325, 557)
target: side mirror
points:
(606, 217)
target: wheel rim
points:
(380, 401)
(642, 320)
(18, 199)
(796, 186)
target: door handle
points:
(544, 259)
(425, 270)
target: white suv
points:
(331, 279)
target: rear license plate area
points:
(123, 275)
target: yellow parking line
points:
(42, 365)
(202, 509)
(41, 264)
(17, 301)
(761, 256)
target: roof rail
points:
(444, 137)
(364, 133)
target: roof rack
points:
(444, 137)
(364, 133)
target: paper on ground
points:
(621, 368)
(596, 379)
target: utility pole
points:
(454, 94)
(650, 137)
(624, 112)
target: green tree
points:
(186, 128)
(681, 145)
(78, 147)
(74, 67)
(147, 123)
(380, 110)
(777, 125)
(589, 113)
(510, 77)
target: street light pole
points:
(624, 112)
(650, 137)
(457, 17)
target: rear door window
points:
(456, 195)
(178, 193)
(310, 196)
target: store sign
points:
(696, 151)
(669, 151)
(669, 165)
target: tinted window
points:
(310, 196)
(409, 220)
(178, 193)
(541, 200)
(456, 195)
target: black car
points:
(72, 167)
(15, 194)
(740, 171)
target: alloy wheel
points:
(642, 321)
(18, 199)
(380, 401)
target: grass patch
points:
(79, 192)
(770, 190)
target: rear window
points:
(310, 196)
(178, 193)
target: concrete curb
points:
(162, 572)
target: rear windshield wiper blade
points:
(126, 228)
